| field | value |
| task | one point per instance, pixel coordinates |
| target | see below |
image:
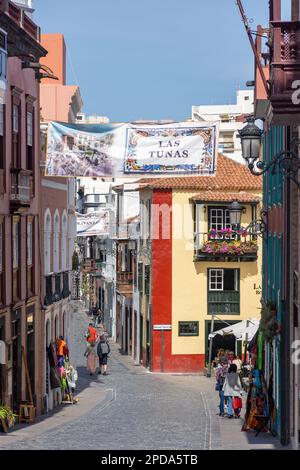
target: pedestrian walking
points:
(221, 373)
(91, 334)
(238, 362)
(103, 350)
(91, 355)
(232, 391)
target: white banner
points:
(92, 224)
(118, 150)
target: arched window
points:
(56, 327)
(65, 325)
(64, 238)
(47, 242)
(56, 243)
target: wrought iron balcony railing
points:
(49, 296)
(66, 290)
(225, 245)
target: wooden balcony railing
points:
(223, 302)
(124, 277)
(284, 71)
(21, 18)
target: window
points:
(219, 218)
(147, 280)
(15, 237)
(216, 279)
(223, 291)
(16, 141)
(29, 120)
(15, 118)
(3, 55)
(140, 277)
(224, 279)
(2, 150)
(226, 141)
(188, 328)
(56, 244)
(64, 243)
(29, 243)
(47, 243)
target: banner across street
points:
(120, 150)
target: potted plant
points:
(269, 325)
(7, 417)
(228, 242)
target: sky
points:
(153, 59)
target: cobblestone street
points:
(134, 409)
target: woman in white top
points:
(232, 388)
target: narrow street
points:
(134, 409)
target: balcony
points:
(223, 302)
(66, 290)
(21, 192)
(225, 245)
(19, 17)
(125, 283)
(124, 277)
(49, 297)
(56, 287)
(284, 72)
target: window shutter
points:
(147, 280)
(140, 277)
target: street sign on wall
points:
(162, 327)
(120, 150)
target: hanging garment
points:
(52, 356)
(60, 345)
(54, 378)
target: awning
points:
(239, 330)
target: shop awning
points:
(239, 330)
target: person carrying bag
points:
(103, 350)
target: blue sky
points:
(153, 59)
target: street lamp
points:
(235, 213)
(257, 227)
(288, 160)
(250, 137)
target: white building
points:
(81, 118)
(231, 118)
(26, 5)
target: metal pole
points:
(162, 350)
(246, 343)
(210, 346)
(252, 43)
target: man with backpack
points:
(221, 373)
(103, 350)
